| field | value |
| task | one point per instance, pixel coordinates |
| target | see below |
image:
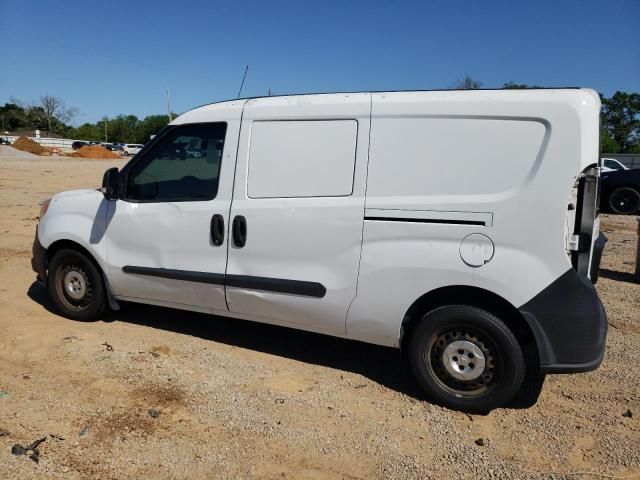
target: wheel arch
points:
(70, 244)
(475, 297)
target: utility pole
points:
(105, 119)
(169, 104)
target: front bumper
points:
(569, 324)
(39, 259)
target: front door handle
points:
(239, 231)
(217, 229)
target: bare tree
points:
(467, 83)
(51, 111)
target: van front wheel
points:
(466, 358)
(75, 286)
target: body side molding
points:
(267, 284)
(187, 275)
(425, 220)
(278, 285)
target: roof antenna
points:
(169, 105)
(243, 77)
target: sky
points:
(113, 57)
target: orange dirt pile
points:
(27, 145)
(94, 151)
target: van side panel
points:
(299, 185)
(453, 159)
(441, 164)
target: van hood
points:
(90, 192)
(89, 203)
(77, 215)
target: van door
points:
(297, 210)
(167, 234)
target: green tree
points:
(12, 116)
(513, 85)
(130, 125)
(86, 131)
(620, 118)
(467, 83)
(51, 114)
(151, 125)
(607, 142)
(100, 126)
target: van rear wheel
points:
(76, 287)
(466, 358)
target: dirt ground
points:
(160, 393)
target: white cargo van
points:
(439, 222)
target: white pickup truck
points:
(435, 222)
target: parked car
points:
(612, 165)
(4, 141)
(621, 191)
(78, 144)
(330, 213)
(132, 148)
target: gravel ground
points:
(160, 393)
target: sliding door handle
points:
(239, 231)
(217, 229)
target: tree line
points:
(619, 117)
(619, 120)
(51, 115)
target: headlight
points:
(43, 208)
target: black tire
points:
(76, 287)
(530, 390)
(499, 366)
(624, 200)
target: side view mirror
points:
(111, 184)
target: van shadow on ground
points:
(383, 365)
(618, 276)
(379, 364)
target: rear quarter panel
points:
(513, 156)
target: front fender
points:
(80, 217)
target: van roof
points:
(388, 91)
(239, 102)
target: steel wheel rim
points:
(463, 360)
(73, 287)
(469, 382)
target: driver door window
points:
(183, 166)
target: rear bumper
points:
(39, 259)
(569, 324)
